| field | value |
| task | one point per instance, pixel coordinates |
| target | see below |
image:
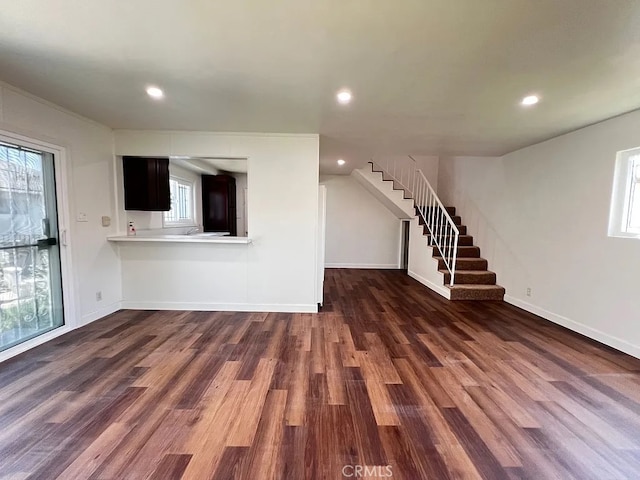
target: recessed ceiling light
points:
(155, 92)
(530, 100)
(341, 162)
(344, 97)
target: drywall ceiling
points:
(232, 165)
(211, 166)
(431, 77)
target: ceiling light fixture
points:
(530, 100)
(344, 97)
(341, 162)
(155, 92)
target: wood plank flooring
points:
(388, 381)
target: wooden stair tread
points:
(466, 263)
(472, 292)
(463, 240)
(467, 272)
(468, 251)
(462, 229)
(470, 277)
(469, 286)
(437, 256)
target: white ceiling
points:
(430, 77)
(210, 165)
(232, 165)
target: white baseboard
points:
(439, 289)
(378, 266)
(585, 330)
(101, 312)
(221, 307)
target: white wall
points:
(429, 165)
(360, 231)
(540, 216)
(277, 272)
(90, 177)
(402, 164)
(422, 266)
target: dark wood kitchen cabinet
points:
(146, 184)
(219, 204)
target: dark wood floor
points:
(387, 375)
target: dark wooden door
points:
(219, 204)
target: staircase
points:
(473, 280)
(406, 186)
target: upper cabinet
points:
(146, 183)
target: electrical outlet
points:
(528, 291)
(82, 217)
(98, 296)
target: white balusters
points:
(444, 233)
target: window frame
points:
(69, 302)
(625, 188)
(633, 189)
(191, 222)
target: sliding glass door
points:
(30, 278)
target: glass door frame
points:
(71, 314)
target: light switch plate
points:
(106, 221)
(82, 217)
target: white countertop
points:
(197, 238)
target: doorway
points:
(404, 245)
(30, 270)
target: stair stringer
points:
(422, 266)
(392, 199)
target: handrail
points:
(402, 170)
(444, 233)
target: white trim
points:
(217, 134)
(116, 168)
(400, 243)
(381, 266)
(621, 195)
(101, 313)
(594, 334)
(70, 306)
(49, 104)
(221, 307)
(195, 238)
(401, 249)
(439, 289)
(321, 240)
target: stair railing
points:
(402, 170)
(443, 232)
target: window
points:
(182, 204)
(633, 208)
(624, 220)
